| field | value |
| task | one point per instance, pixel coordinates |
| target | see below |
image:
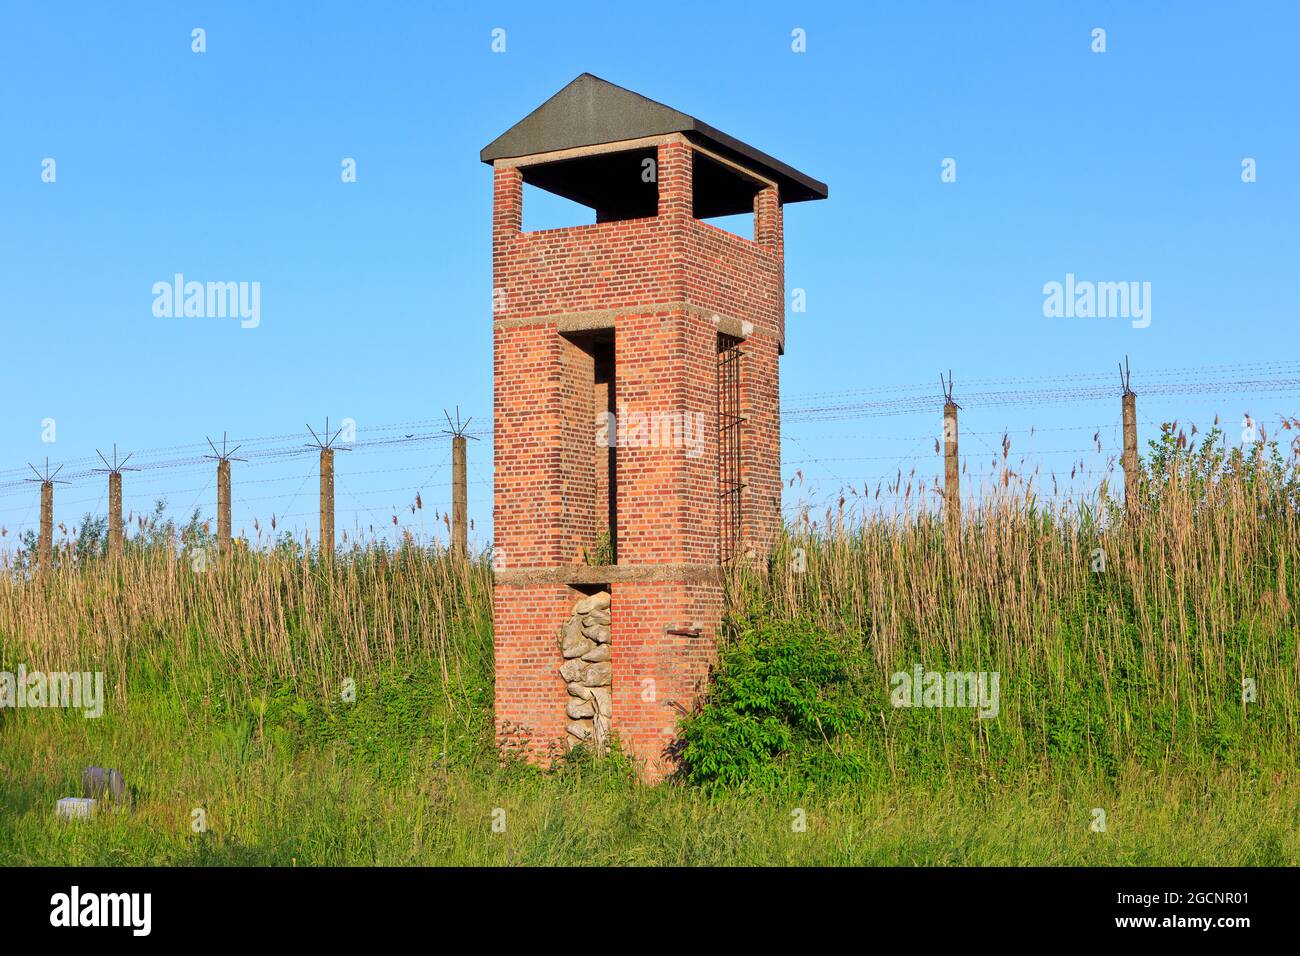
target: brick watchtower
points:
(637, 423)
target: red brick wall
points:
(529, 508)
(656, 673)
(579, 516)
(530, 696)
(606, 265)
(664, 278)
(734, 277)
(665, 368)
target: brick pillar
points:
(674, 170)
(668, 517)
(667, 492)
(767, 219)
(528, 507)
(530, 694)
(664, 638)
(529, 468)
(507, 221)
(507, 202)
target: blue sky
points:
(375, 296)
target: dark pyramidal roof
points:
(591, 111)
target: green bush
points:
(781, 690)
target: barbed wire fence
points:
(1195, 399)
(270, 487)
(828, 459)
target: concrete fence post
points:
(326, 504)
(45, 546)
(951, 469)
(223, 508)
(459, 498)
(114, 514)
(1130, 459)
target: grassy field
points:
(1121, 694)
(324, 806)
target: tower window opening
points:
(730, 420)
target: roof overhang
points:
(593, 112)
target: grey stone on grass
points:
(75, 808)
(98, 783)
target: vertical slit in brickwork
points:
(607, 451)
(730, 420)
(590, 430)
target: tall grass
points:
(260, 615)
(1121, 687)
(1117, 635)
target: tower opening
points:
(591, 479)
(723, 195)
(611, 186)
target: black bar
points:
(942, 906)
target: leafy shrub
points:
(781, 689)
